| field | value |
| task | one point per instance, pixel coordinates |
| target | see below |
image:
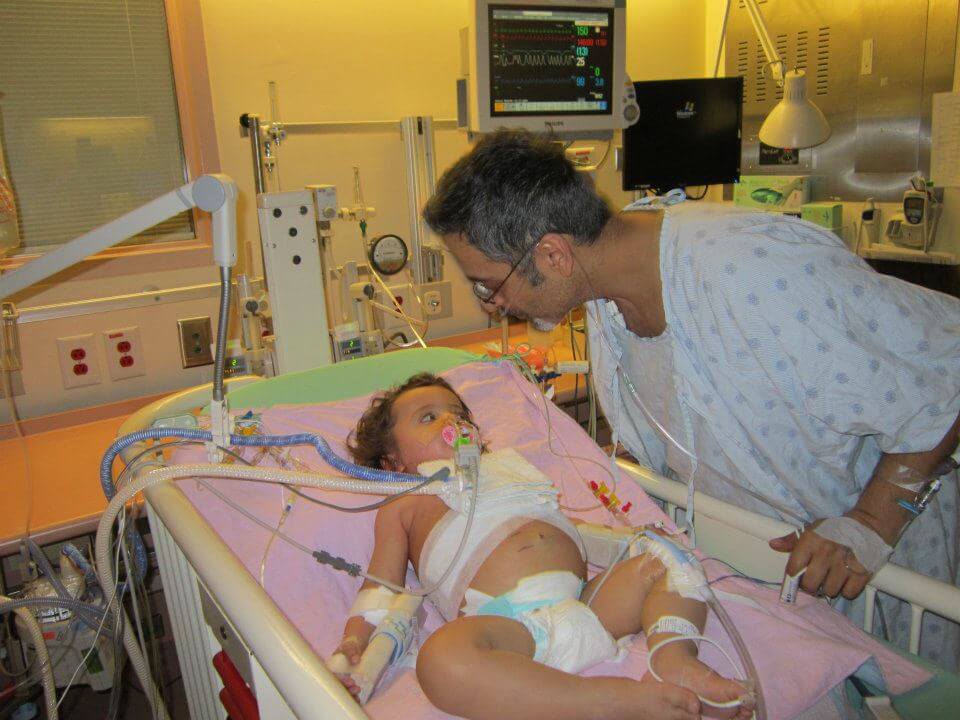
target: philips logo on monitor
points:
(688, 111)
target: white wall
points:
(345, 60)
(381, 60)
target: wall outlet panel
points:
(124, 353)
(79, 365)
(404, 294)
(196, 335)
(442, 289)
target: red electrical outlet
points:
(79, 365)
(124, 352)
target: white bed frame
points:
(216, 604)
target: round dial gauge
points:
(388, 254)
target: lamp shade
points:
(795, 122)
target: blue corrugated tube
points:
(322, 447)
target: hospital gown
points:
(787, 366)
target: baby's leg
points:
(483, 667)
(633, 598)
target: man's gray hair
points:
(509, 191)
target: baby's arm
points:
(389, 561)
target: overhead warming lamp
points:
(795, 122)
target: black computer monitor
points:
(688, 134)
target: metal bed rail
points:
(730, 530)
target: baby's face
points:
(419, 416)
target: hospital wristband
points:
(675, 625)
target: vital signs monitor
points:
(545, 65)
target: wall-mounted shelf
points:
(902, 254)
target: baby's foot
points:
(675, 664)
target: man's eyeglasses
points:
(485, 294)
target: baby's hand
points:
(344, 659)
(352, 647)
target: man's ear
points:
(554, 253)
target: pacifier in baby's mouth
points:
(459, 433)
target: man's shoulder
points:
(716, 241)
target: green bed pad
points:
(346, 379)
(939, 698)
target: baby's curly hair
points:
(371, 442)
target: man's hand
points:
(829, 566)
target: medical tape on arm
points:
(870, 549)
(907, 478)
(685, 575)
(372, 604)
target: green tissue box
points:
(776, 193)
(827, 215)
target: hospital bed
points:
(217, 604)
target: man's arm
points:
(828, 563)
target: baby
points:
(519, 626)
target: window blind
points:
(88, 115)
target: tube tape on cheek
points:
(870, 549)
(685, 575)
(372, 604)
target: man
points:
(748, 353)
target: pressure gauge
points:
(388, 254)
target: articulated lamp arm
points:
(769, 49)
(216, 194)
(795, 122)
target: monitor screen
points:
(548, 60)
(688, 134)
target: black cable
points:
(360, 508)
(392, 340)
(738, 574)
(701, 196)
(742, 577)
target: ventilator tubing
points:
(204, 436)
(40, 648)
(166, 474)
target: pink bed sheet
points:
(510, 412)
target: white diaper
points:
(567, 635)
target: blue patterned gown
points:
(788, 365)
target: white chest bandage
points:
(511, 492)
(604, 545)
